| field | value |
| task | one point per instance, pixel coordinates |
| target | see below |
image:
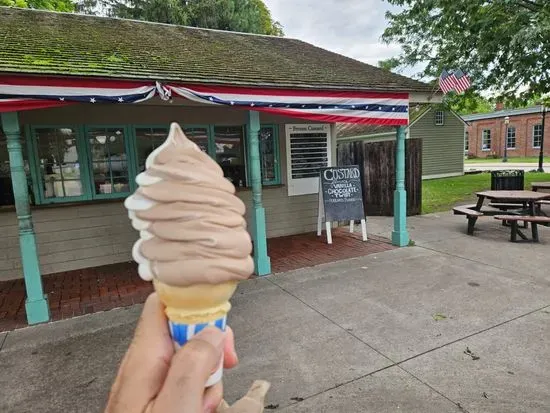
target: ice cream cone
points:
(193, 308)
(193, 243)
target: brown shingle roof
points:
(48, 43)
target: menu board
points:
(342, 193)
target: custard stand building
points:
(84, 100)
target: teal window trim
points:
(134, 156)
(35, 178)
(130, 160)
(209, 133)
(34, 163)
(276, 154)
(130, 145)
(277, 151)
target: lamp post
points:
(541, 153)
(506, 122)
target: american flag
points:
(456, 81)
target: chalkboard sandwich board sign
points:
(340, 198)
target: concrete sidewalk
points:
(454, 324)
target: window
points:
(439, 118)
(537, 136)
(199, 135)
(486, 140)
(147, 140)
(308, 150)
(78, 163)
(511, 137)
(6, 188)
(229, 153)
(108, 157)
(59, 163)
(269, 154)
(466, 141)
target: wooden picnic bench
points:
(534, 220)
(540, 185)
(508, 206)
(518, 204)
(470, 213)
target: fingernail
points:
(213, 336)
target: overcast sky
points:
(349, 27)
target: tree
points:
(391, 65)
(54, 5)
(503, 45)
(250, 16)
(469, 103)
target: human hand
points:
(153, 377)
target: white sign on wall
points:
(308, 150)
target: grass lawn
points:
(442, 194)
(532, 159)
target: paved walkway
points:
(454, 324)
(90, 290)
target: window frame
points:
(508, 129)
(483, 138)
(466, 142)
(277, 152)
(211, 150)
(129, 146)
(533, 136)
(442, 121)
(85, 161)
(36, 175)
(133, 127)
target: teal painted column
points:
(400, 236)
(262, 264)
(36, 303)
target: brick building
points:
(487, 132)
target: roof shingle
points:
(48, 43)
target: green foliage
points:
(504, 45)
(54, 5)
(469, 103)
(391, 65)
(249, 16)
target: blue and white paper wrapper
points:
(182, 333)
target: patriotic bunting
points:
(326, 106)
(25, 93)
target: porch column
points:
(36, 303)
(400, 236)
(262, 263)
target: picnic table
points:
(521, 203)
(540, 185)
(526, 198)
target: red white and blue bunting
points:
(26, 93)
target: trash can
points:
(512, 180)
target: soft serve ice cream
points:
(193, 241)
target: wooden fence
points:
(378, 168)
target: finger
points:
(212, 398)
(190, 369)
(230, 358)
(146, 362)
